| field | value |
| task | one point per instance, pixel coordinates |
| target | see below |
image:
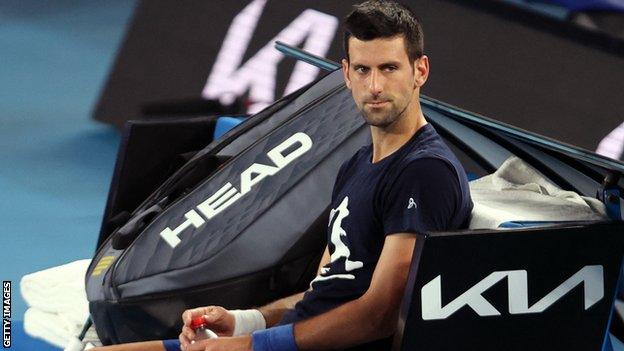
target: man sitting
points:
(407, 181)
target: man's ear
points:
(421, 71)
(345, 72)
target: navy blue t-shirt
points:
(420, 187)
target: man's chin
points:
(380, 123)
(376, 119)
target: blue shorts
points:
(172, 344)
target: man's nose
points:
(376, 83)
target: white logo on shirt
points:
(336, 216)
(411, 204)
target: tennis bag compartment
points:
(241, 224)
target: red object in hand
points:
(198, 322)
(199, 325)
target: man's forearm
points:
(136, 346)
(274, 311)
(350, 324)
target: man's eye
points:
(390, 68)
(361, 69)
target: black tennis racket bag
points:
(242, 223)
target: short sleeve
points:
(338, 180)
(422, 197)
(340, 176)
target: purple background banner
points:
(521, 68)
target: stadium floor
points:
(56, 161)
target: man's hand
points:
(241, 343)
(218, 319)
(222, 322)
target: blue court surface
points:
(56, 163)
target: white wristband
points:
(247, 321)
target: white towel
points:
(51, 327)
(518, 192)
(57, 289)
(58, 303)
(57, 329)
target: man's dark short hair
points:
(375, 19)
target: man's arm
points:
(274, 311)
(272, 314)
(370, 317)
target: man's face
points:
(382, 79)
